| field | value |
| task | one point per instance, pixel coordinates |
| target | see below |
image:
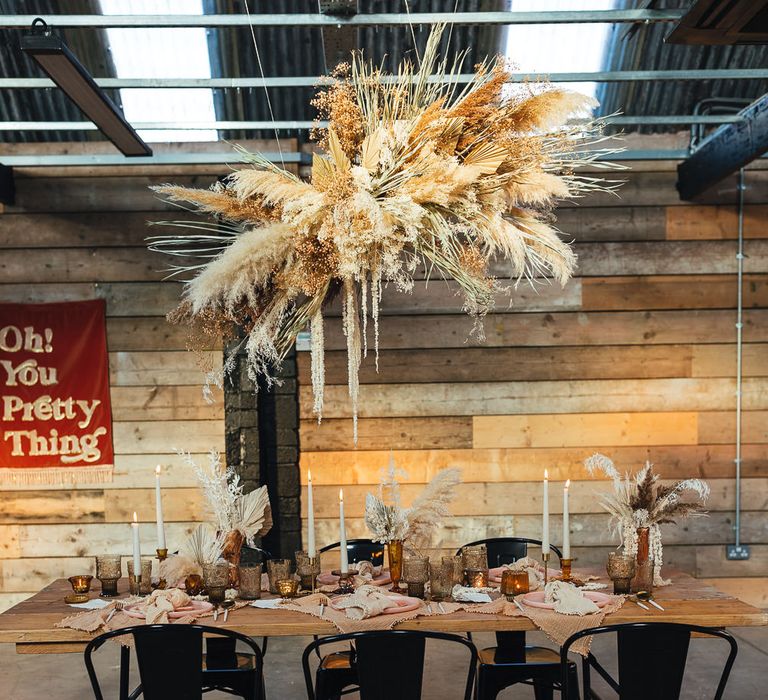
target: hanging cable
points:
(739, 341)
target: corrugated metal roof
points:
(298, 51)
(645, 50)
(49, 105)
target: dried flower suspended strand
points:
(414, 171)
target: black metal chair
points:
(511, 661)
(337, 665)
(389, 664)
(172, 663)
(360, 550)
(651, 656)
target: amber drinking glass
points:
(416, 574)
(514, 583)
(250, 582)
(621, 570)
(109, 570)
(193, 584)
(216, 594)
(475, 557)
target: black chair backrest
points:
(361, 550)
(505, 550)
(390, 664)
(652, 658)
(170, 658)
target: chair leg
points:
(485, 688)
(543, 689)
(125, 667)
(573, 684)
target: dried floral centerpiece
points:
(388, 520)
(238, 517)
(641, 503)
(415, 172)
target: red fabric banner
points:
(54, 393)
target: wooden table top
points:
(30, 624)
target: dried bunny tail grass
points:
(536, 189)
(276, 187)
(351, 322)
(317, 351)
(242, 269)
(549, 110)
(431, 506)
(600, 463)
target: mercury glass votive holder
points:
(81, 584)
(621, 570)
(216, 574)
(146, 577)
(277, 569)
(440, 579)
(476, 578)
(456, 565)
(109, 569)
(308, 569)
(514, 583)
(250, 582)
(474, 557)
(287, 587)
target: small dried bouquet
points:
(388, 520)
(641, 501)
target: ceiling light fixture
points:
(62, 66)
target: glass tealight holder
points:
(193, 584)
(621, 570)
(250, 582)
(474, 557)
(455, 564)
(416, 575)
(81, 584)
(441, 579)
(514, 583)
(146, 577)
(476, 578)
(216, 594)
(308, 569)
(216, 574)
(287, 587)
(277, 569)
(109, 569)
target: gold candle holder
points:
(162, 555)
(346, 581)
(81, 585)
(287, 587)
(476, 578)
(545, 558)
(193, 584)
(514, 583)
(565, 567)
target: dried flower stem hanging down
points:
(415, 171)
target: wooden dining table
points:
(30, 624)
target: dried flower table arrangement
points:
(639, 505)
(414, 173)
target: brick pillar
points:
(262, 443)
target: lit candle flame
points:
(341, 494)
(135, 517)
(309, 474)
(157, 470)
(567, 483)
(546, 474)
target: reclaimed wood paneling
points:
(635, 358)
(84, 238)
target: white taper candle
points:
(545, 516)
(310, 518)
(566, 524)
(136, 547)
(342, 535)
(159, 511)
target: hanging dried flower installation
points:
(416, 174)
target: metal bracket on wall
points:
(7, 185)
(339, 41)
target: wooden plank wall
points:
(79, 234)
(635, 357)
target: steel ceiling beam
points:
(725, 151)
(309, 81)
(229, 157)
(362, 20)
(671, 119)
